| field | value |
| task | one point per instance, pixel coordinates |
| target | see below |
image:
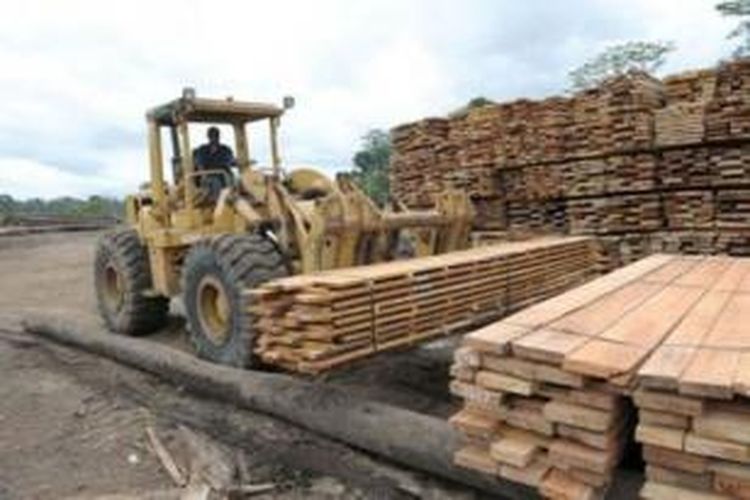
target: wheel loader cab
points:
(184, 203)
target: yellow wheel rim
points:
(213, 310)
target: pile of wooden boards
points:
(582, 164)
(311, 323)
(552, 394)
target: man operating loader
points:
(217, 157)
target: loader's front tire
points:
(215, 276)
(124, 290)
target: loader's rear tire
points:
(124, 290)
(215, 275)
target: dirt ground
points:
(73, 425)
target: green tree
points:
(476, 102)
(371, 165)
(739, 9)
(619, 60)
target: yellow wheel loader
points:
(209, 248)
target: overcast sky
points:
(77, 76)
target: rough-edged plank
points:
(664, 401)
(547, 346)
(660, 491)
(559, 485)
(530, 475)
(663, 437)
(531, 371)
(741, 380)
(475, 458)
(604, 312)
(494, 338)
(724, 425)
(663, 419)
(664, 366)
(647, 325)
(579, 416)
(573, 454)
(516, 451)
(673, 459)
(604, 359)
(717, 448)
(546, 312)
(505, 383)
(710, 373)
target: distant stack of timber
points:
(582, 164)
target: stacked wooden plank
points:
(682, 121)
(693, 415)
(728, 113)
(545, 389)
(686, 242)
(476, 133)
(312, 323)
(733, 209)
(537, 216)
(674, 153)
(693, 209)
(548, 391)
(534, 132)
(422, 151)
(705, 166)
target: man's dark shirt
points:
(209, 156)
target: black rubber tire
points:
(139, 312)
(239, 263)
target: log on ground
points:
(418, 441)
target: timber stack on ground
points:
(645, 165)
(550, 393)
(316, 322)
(693, 411)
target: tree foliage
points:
(739, 9)
(619, 60)
(476, 102)
(93, 206)
(371, 164)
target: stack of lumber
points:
(733, 209)
(548, 391)
(733, 243)
(312, 323)
(693, 411)
(476, 134)
(545, 389)
(689, 209)
(582, 164)
(537, 216)
(534, 132)
(728, 113)
(422, 151)
(615, 214)
(686, 242)
(706, 166)
(630, 105)
(585, 178)
(682, 121)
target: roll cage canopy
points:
(189, 108)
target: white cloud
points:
(78, 75)
(26, 178)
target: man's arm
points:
(227, 156)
